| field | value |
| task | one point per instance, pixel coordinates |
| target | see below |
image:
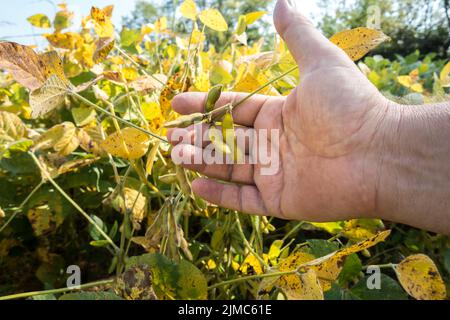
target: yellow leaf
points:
(102, 21)
(414, 74)
(419, 276)
(74, 165)
(136, 204)
(417, 87)
(188, 9)
(90, 139)
(40, 21)
(130, 144)
(213, 19)
(197, 36)
(301, 286)
(445, 75)
(28, 68)
(405, 81)
(67, 40)
(151, 158)
(173, 85)
(275, 251)
(252, 17)
(146, 29)
(41, 220)
(62, 19)
(202, 83)
(253, 263)
(358, 42)
(327, 268)
(361, 229)
(11, 127)
(2, 213)
(63, 138)
(296, 259)
(161, 24)
(330, 227)
(102, 49)
(49, 97)
(129, 74)
(211, 264)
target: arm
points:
(414, 180)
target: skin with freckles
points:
(340, 146)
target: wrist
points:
(413, 179)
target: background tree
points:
(413, 24)
(144, 12)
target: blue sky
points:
(13, 15)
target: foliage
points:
(413, 25)
(86, 177)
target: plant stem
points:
(46, 176)
(293, 230)
(253, 277)
(24, 202)
(265, 86)
(381, 266)
(217, 112)
(116, 117)
(55, 291)
(246, 243)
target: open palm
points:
(328, 147)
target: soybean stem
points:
(46, 176)
(130, 124)
(55, 291)
(24, 202)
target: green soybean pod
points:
(213, 96)
(184, 121)
(242, 25)
(183, 180)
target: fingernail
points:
(293, 4)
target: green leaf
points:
(20, 146)
(165, 273)
(94, 233)
(129, 37)
(62, 20)
(447, 260)
(390, 290)
(107, 295)
(83, 116)
(351, 269)
(338, 293)
(192, 283)
(40, 21)
(172, 280)
(320, 248)
(47, 297)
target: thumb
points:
(310, 48)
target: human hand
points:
(329, 156)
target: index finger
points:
(244, 114)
